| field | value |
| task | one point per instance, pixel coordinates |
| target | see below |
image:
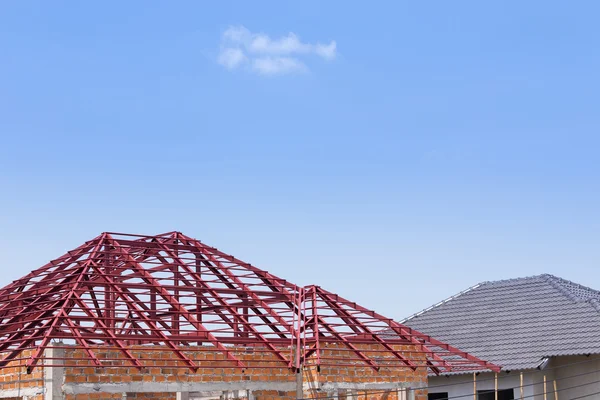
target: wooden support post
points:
(555, 390)
(496, 386)
(545, 391)
(474, 386)
(522, 394)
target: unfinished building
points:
(168, 317)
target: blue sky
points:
(433, 147)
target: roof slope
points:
(516, 323)
(131, 293)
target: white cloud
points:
(286, 45)
(237, 34)
(231, 58)
(269, 56)
(277, 65)
(326, 51)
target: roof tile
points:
(517, 322)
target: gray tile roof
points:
(516, 323)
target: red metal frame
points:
(134, 294)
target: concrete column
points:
(299, 385)
(183, 396)
(53, 376)
(402, 394)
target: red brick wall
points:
(13, 377)
(360, 373)
(212, 370)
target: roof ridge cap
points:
(563, 290)
(559, 284)
(522, 278)
(595, 303)
(446, 300)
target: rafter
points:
(354, 322)
(140, 312)
(146, 276)
(134, 293)
(231, 310)
(251, 293)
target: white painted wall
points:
(587, 383)
(563, 369)
(460, 387)
(537, 379)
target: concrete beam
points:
(174, 387)
(333, 386)
(217, 389)
(21, 393)
(234, 394)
